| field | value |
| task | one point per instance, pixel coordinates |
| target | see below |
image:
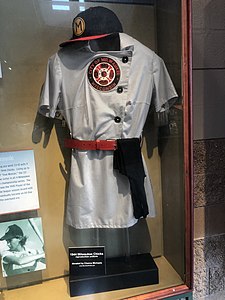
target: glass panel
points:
(33, 34)
(171, 137)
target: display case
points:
(150, 258)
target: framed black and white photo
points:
(22, 246)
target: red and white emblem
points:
(104, 74)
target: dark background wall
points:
(209, 145)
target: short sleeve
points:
(163, 89)
(50, 92)
(5, 254)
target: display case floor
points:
(58, 289)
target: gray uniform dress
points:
(104, 95)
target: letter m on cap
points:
(78, 26)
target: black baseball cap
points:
(94, 23)
(11, 232)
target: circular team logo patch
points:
(78, 26)
(104, 74)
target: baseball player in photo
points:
(103, 82)
(17, 258)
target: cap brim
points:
(5, 237)
(83, 39)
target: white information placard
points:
(18, 183)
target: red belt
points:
(91, 145)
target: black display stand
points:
(121, 273)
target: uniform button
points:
(117, 119)
(125, 59)
(119, 90)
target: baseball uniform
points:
(10, 268)
(104, 95)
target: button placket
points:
(122, 93)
